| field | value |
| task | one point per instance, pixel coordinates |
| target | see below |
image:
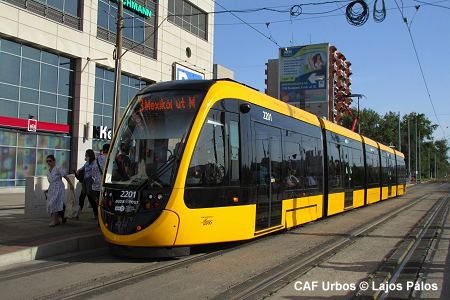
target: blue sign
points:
(184, 73)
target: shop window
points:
(10, 70)
(8, 165)
(26, 163)
(30, 73)
(27, 140)
(25, 110)
(47, 114)
(29, 95)
(31, 53)
(9, 92)
(9, 108)
(48, 99)
(49, 78)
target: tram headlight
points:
(159, 196)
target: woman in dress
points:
(55, 194)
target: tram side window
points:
(293, 162)
(215, 161)
(313, 166)
(393, 170)
(384, 168)
(373, 168)
(334, 166)
(208, 166)
(357, 168)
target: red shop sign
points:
(33, 125)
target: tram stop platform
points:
(24, 238)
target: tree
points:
(433, 158)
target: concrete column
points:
(83, 110)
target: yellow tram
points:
(199, 162)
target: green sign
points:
(137, 8)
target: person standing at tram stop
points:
(89, 157)
(97, 171)
(55, 192)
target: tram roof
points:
(398, 153)
(386, 148)
(201, 85)
(341, 130)
(370, 142)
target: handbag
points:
(80, 175)
(69, 202)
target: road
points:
(395, 242)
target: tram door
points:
(268, 166)
(389, 176)
(348, 186)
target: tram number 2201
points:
(128, 194)
(267, 116)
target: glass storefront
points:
(23, 154)
(104, 98)
(33, 84)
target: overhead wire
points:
(432, 4)
(320, 17)
(251, 26)
(420, 67)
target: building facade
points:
(57, 77)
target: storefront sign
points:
(185, 73)
(102, 133)
(135, 7)
(32, 125)
(25, 124)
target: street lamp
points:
(358, 96)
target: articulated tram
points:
(199, 162)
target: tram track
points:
(276, 278)
(106, 283)
(405, 263)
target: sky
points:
(384, 65)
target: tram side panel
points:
(373, 174)
(345, 163)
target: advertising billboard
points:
(303, 77)
(184, 73)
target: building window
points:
(139, 30)
(35, 82)
(63, 11)
(189, 17)
(104, 97)
(38, 83)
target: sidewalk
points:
(25, 239)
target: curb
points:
(79, 243)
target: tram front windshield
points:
(151, 138)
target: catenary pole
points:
(420, 160)
(118, 66)
(417, 147)
(399, 138)
(409, 153)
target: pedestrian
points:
(86, 190)
(55, 192)
(97, 171)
